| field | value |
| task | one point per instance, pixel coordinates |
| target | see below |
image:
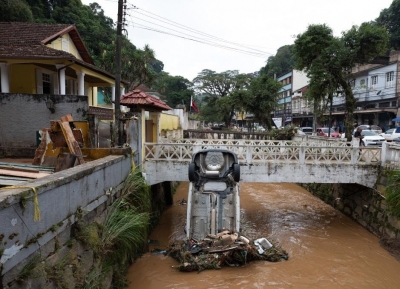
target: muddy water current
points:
(326, 249)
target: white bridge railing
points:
(256, 151)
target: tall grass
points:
(123, 236)
(124, 232)
(393, 193)
(137, 192)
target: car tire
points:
(192, 172)
(236, 172)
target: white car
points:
(390, 134)
(373, 128)
(371, 138)
(299, 131)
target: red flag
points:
(193, 105)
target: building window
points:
(46, 83)
(374, 81)
(390, 79)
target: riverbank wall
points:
(364, 205)
(39, 247)
(37, 219)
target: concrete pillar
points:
(5, 78)
(142, 132)
(123, 108)
(61, 77)
(81, 82)
(113, 96)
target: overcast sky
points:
(249, 30)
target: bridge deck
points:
(276, 161)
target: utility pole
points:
(117, 111)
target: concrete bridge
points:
(312, 161)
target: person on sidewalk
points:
(357, 134)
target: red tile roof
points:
(140, 98)
(28, 40)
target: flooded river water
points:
(326, 249)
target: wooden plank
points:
(69, 137)
(54, 125)
(14, 168)
(23, 165)
(23, 174)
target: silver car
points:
(213, 199)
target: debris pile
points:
(224, 249)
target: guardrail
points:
(250, 151)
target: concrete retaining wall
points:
(63, 199)
(364, 205)
(21, 115)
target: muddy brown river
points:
(326, 249)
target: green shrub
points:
(393, 193)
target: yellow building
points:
(38, 58)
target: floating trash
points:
(223, 249)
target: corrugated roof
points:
(140, 98)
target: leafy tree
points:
(282, 62)
(389, 18)
(218, 86)
(328, 60)
(177, 89)
(261, 98)
(15, 11)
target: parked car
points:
(300, 132)
(371, 138)
(324, 131)
(391, 134)
(260, 129)
(307, 130)
(373, 128)
(388, 135)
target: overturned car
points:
(213, 199)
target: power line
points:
(175, 24)
(138, 25)
(202, 40)
(184, 27)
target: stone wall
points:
(364, 205)
(64, 198)
(22, 115)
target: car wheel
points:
(236, 172)
(192, 172)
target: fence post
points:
(196, 148)
(249, 155)
(355, 144)
(302, 156)
(384, 152)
